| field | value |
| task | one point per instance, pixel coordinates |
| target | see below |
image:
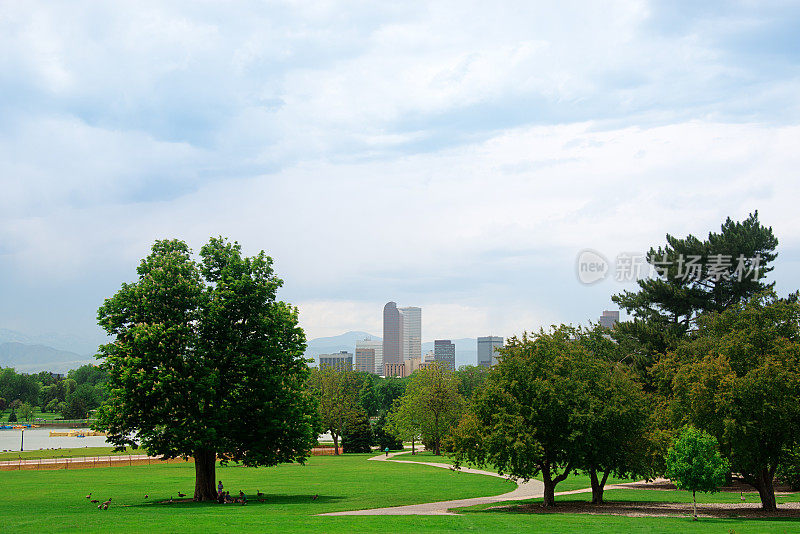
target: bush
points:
(13, 417)
(357, 436)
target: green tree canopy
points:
(739, 380)
(695, 464)
(529, 418)
(430, 406)
(471, 378)
(697, 276)
(206, 362)
(337, 392)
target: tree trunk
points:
(694, 506)
(598, 485)
(549, 499)
(335, 443)
(413, 452)
(205, 463)
(766, 491)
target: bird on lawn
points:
(105, 504)
(181, 494)
(258, 492)
(89, 496)
(145, 495)
(314, 498)
(94, 501)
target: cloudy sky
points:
(450, 155)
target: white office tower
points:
(412, 332)
(371, 356)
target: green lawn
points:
(425, 456)
(573, 482)
(50, 501)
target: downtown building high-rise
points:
(609, 319)
(487, 350)
(444, 352)
(341, 361)
(402, 334)
(412, 332)
(392, 334)
(369, 356)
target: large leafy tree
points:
(614, 428)
(430, 406)
(696, 276)
(206, 362)
(530, 417)
(739, 380)
(338, 393)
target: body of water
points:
(39, 438)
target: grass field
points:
(573, 482)
(54, 501)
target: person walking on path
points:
(386, 450)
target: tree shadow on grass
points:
(717, 512)
(252, 500)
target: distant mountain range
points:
(34, 358)
(69, 343)
(466, 348)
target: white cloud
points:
(449, 155)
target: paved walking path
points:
(525, 490)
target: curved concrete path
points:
(525, 490)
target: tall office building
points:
(487, 350)
(444, 352)
(412, 332)
(369, 356)
(341, 361)
(609, 318)
(392, 334)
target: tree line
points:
(74, 396)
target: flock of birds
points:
(100, 505)
(243, 499)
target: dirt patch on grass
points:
(657, 509)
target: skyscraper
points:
(487, 347)
(412, 332)
(392, 334)
(444, 351)
(609, 318)
(369, 356)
